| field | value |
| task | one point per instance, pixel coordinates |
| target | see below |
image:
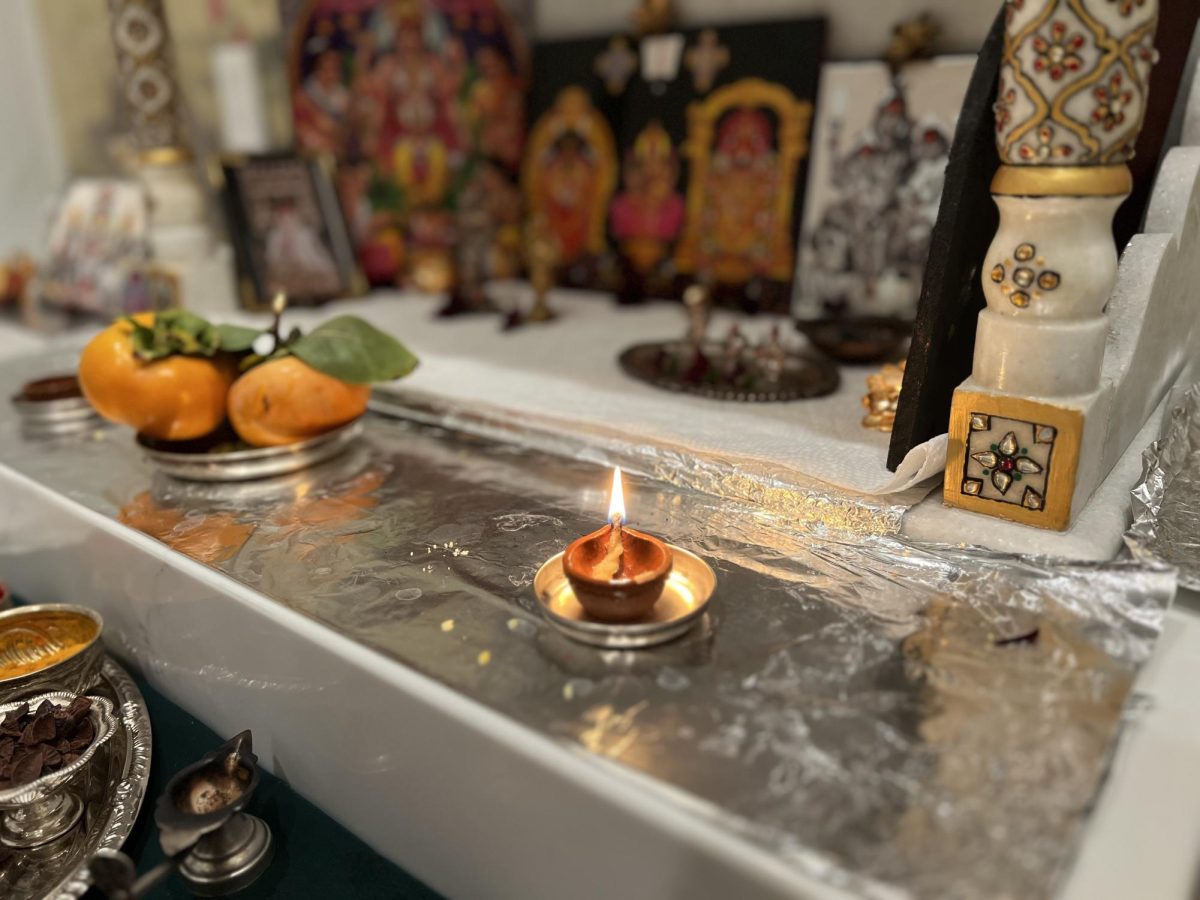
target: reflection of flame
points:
(616, 505)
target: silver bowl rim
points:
(18, 611)
(354, 427)
(103, 720)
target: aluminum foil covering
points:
(796, 498)
(899, 720)
(1166, 502)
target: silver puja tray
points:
(113, 794)
(247, 465)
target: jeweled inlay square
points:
(1008, 460)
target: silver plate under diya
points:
(800, 376)
(198, 461)
(684, 599)
(112, 795)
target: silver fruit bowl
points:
(46, 808)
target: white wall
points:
(858, 29)
(31, 160)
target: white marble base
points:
(1053, 348)
(1011, 354)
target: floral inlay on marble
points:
(1044, 150)
(1073, 81)
(1112, 100)
(1027, 273)
(1057, 52)
(1008, 460)
(1126, 7)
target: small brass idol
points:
(542, 256)
(882, 397)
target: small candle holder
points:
(201, 821)
(622, 588)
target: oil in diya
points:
(617, 573)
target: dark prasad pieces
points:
(42, 741)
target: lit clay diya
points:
(622, 588)
(617, 573)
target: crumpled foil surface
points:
(1166, 502)
(795, 498)
(894, 719)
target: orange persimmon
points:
(175, 398)
(286, 400)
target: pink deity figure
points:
(647, 215)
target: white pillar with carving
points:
(1071, 98)
(180, 235)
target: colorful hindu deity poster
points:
(676, 158)
(571, 167)
(422, 103)
(880, 147)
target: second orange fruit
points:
(286, 400)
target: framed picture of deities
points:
(422, 103)
(288, 230)
(880, 146)
(675, 158)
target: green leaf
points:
(174, 332)
(236, 338)
(143, 339)
(352, 350)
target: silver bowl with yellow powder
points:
(49, 647)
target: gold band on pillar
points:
(165, 156)
(1062, 181)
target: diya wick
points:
(617, 573)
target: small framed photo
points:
(288, 230)
(98, 239)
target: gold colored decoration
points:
(585, 189)
(1035, 486)
(653, 17)
(711, 217)
(30, 643)
(165, 156)
(142, 43)
(883, 397)
(706, 59)
(542, 257)
(911, 39)
(1063, 181)
(1073, 82)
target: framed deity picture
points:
(880, 147)
(288, 230)
(676, 158)
(422, 104)
(98, 242)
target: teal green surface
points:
(314, 855)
